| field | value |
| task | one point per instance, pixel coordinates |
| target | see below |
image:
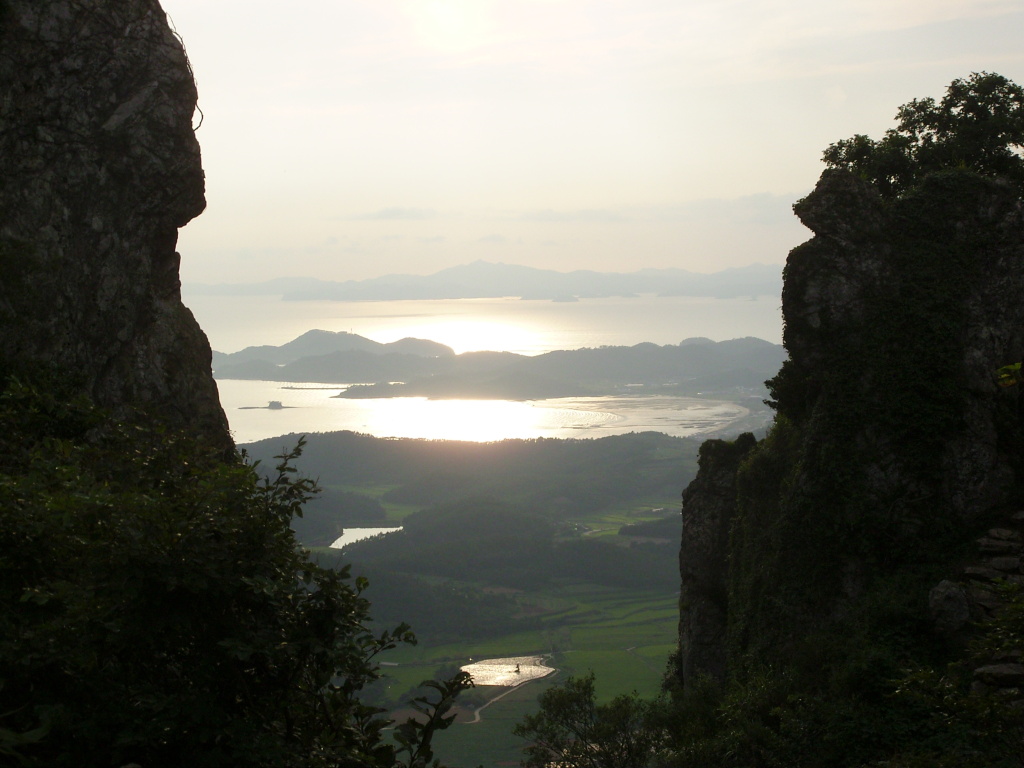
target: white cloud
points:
(591, 216)
(397, 214)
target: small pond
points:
(352, 535)
(510, 671)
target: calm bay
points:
(522, 326)
(527, 327)
(308, 408)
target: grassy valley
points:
(561, 548)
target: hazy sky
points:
(345, 139)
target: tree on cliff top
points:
(978, 125)
(892, 449)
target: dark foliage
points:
(667, 527)
(154, 608)
(572, 730)
(441, 610)
(978, 126)
(486, 541)
(325, 516)
(555, 478)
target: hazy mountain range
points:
(416, 367)
(318, 343)
(483, 279)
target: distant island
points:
(273, 405)
(422, 368)
(484, 280)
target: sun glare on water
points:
(309, 408)
(480, 421)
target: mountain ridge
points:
(319, 342)
(407, 369)
(482, 279)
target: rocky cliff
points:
(99, 167)
(893, 446)
(709, 506)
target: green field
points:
(623, 636)
(511, 549)
(602, 523)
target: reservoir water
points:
(509, 671)
(352, 535)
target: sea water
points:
(521, 326)
(514, 325)
(309, 408)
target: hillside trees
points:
(488, 541)
(154, 608)
(562, 477)
(977, 126)
(573, 730)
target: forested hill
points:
(559, 478)
(428, 369)
(317, 343)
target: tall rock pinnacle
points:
(99, 167)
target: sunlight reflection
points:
(307, 408)
(511, 671)
(475, 420)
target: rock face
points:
(99, 167)
(894, 446)
(709, 505)
(913, 304)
